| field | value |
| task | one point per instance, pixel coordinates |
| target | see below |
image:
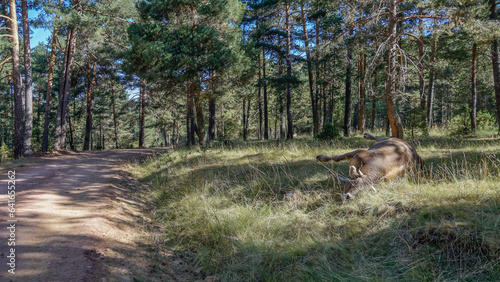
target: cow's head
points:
(356, 182)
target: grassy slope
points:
(269, 211)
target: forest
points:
(124, 74)
(176, 140)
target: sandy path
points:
(75, 220)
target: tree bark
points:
(473, 113)
(347, 109)
(50, 79)
(143, 115)
(260, 134)
(62, 108)
(421, 81)
(28, 81)
(362, 94)
(289, 134)
(200, 119)
(244, 121)
(211, 119)
(431, 89)
(495, 61)
(115, 122)
(391, 83)
(309, 72)
(266, 112)
(19, 110)
(189, 116)
(90, 104)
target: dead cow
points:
(387, 159)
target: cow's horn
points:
(342, 178)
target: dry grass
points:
(269, 211)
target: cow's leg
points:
(371, 137)
(348, 156)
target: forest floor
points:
(76, 219)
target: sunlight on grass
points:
(268, 210)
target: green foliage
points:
(5, 153)
(460, 125)
(329, 131)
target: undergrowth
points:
(269, 211)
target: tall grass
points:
(269, 211)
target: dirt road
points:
(75, 220)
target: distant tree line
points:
(127, 73)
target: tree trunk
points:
(347, 109)
(62, 108)
(421, 81)
(115, 123)
(48, 98)
(289, 134)
(266, 112)
(19, 110)
(473, 113)
(211, 119)
(244, 121)
(90, 104)
(200, 121)
(28, 81)
(189, 116)
(495, 60)
(374, 102)
(362, 94)
(309, 72)
(316, 67)
(391, 83)
(71, 129)
(222, 120)
(260, 134)
(143, 114)
(431, 90)
(164, 131)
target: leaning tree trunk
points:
(90, 104)
(473, 113)
(62, 107)
(18, 88)
(28, 81)
(391, 80)
(495, 60)
(309, 72)
(50, 80)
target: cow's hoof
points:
(322, 158)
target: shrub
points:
(329, 131)
(460, 124)
(5, 153)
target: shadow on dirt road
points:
(74, 219)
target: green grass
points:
(269, 211)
